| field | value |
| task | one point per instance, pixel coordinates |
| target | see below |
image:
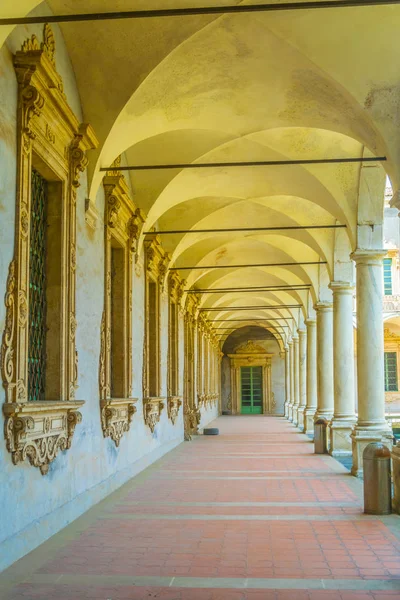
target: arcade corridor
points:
(250, 515)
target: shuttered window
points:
(391, 384)
(387, 276)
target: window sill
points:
(173, 405)
(152, 409)
(37, 431)
(116, 417)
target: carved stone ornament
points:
(116, 413)
(37, 431)
(191, 421)
(48, 130)
(152, 409)
(134, 229)
(250, 348)
(173, 405)
(115, 172)
(116, 417)
(195, 418)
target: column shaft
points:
(343, 367)
(371, 424)
(311, 376)
(325, 360)
(302, 377)
(290, 414)
(287, 380)
(296, 400)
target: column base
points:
(361, 437)
(340, 440)
(290, 412)
(322, 414)
(295, 415)
(396, 478)
(309, 421)
(300, 417)
(286, 411)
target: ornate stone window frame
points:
(251, 355)
(201, 327)
(120, 231)
(191, 412)
(50, 135)
(174, 400)
(156, 264)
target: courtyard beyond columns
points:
(252, 514)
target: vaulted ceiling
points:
(249, 87)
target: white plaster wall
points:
(391, 228)
(34, 507)
(207, 415)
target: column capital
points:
(342, 287)
(295, 338)
(310, 322)
(371, 257)
(323, 306)
(302, 332)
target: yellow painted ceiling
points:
(270, 86)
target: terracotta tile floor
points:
(251, 514)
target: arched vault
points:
(249, 87)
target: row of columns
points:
(320, 380)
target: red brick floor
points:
(251, 514)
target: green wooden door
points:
(251, 390)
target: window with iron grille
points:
(37, 289)
(387, 276)
(391, 384)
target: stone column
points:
(344, 417)
(290, 413)
(302, 377)
(287, 380)
(311, 376)
(371, 424)
(325, 360)
(296, 399)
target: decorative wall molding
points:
(152, 409)
(173, 405)
(37, 431)
(173, 391)
(50, 135)
(250, 348)
(155, 263)
(116, 417)
(117, 413)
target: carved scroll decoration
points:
(152, 409)
(155, 265)
(48, 130)
(117, 413)
(174, 400)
